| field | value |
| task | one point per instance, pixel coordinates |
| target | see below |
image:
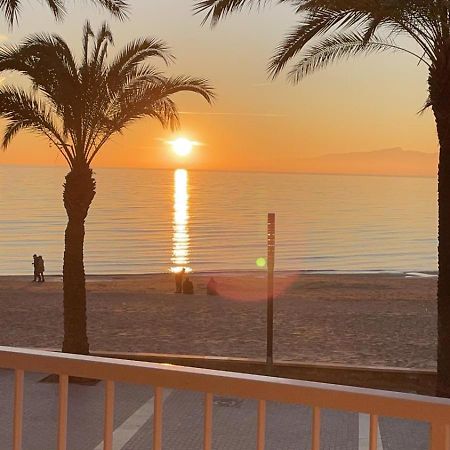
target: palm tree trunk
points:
(79, 191)
(440, 98)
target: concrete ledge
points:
(418, 381)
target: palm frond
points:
(11, 8)
(217, 9)
(118, 8)
(22, 110)
(17, 105)
(139, 98)
(134, 54)
(426, 22)
(103, 38)
(39, 52)
(49, 64)
(11, 130)
(87, 35)
(335, 48)
(57, 8)
(314, 25)
(428, 104)
(185, 84)
(415, 18)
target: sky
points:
(361, 105)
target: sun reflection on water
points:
(180, 238)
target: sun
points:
(182, 146)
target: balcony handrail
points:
(371, 401)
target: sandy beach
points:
(370, 320)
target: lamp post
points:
(270, 270)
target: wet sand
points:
(369, 320)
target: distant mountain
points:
(392, 161)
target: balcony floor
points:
(234, 421)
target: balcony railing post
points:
(62, 413)
(109, 416)
(261, 439)
(373, 434)
(439, 436)
(207, 439)
(157, 418)
(18, 410)
(315, 445)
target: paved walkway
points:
(234, 421)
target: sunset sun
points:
(182, 146)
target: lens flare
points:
(261, 262)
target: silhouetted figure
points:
(179, 281)
(41, 268)
(188, 287)
(36, 268)
(211, 287)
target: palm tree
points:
(330, 30)
(78, 106)
(11, 8)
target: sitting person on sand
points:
(211, 287)
(188, 287)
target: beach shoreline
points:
(386, 319)
(227, 272)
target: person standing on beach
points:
(41, 268)
(179, 281)
(36, 268)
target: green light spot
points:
(261, 262)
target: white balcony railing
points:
(433, 410)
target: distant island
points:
(392, 161)
(389, 162)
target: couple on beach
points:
(38, 263)
(186, 286)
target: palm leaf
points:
(134, 54)
(118, 8)
(427, 22)
(313, 26)
(335, 48)
(24, 111)
(186, 84)
(217, 9)
(11, 8)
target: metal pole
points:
(270, 269)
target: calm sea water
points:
(157, 220)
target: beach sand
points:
(369, 320)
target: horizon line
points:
(267, 172)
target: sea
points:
(156, 221)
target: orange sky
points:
(362, 105)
